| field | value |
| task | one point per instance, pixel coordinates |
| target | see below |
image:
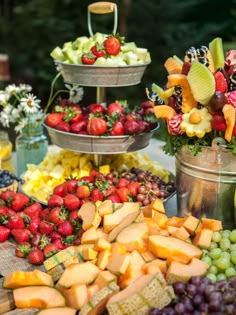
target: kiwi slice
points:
(217, 52)
(202, 82)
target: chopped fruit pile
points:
(101, 50)
(128, 259)
(198, 102)
(96, 120)
(40, 180)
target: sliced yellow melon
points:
(145, 292)
(212, 224)
(230, 117)
(103, 258)
(203, 238)
(89, 236)
(76, 296)
(19, 278)
(178, 271)
(38, 296)
(105, 207)
(172, 65)
(104, 278)
(59, 257)
(83, 273)
(165, 246)
(102, 244)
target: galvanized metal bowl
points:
(99, 144)
(93, 76)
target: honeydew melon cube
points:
(131, 58)
(100, 61)
(67, 45)
(88, 45)
(131, 46)
(80, 42)
(147, 58)
(57, 53)
(141, 53)
(99, 37)
(73, 56)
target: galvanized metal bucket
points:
(206, 184)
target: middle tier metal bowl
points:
(99, 144)
(101, 76)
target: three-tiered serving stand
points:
(100, 77)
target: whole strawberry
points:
(50, 250)
(96, 195)
(65, 228)
(22, 249)
(34, 225)
(71, 184)
(7, 195)
(46, 227)
(21, 235)
(36, 257)
(57, 215)
(97, 126)
(19, 201)
(55, 201)
(60, 190)
(33, 210)
(4, 233)
(15, 221)
(71, 202)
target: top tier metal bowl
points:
(101, 76)
(99, 144)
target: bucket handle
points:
(216, 145)
(102, 8)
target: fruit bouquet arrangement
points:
(198, 102)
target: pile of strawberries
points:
(114, 120)
(37, 231)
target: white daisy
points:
(12, 89)
(30, 103)
(4, 97)
(21, 124)
(76, 93)
(25, 87)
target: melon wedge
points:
(217, 52)
(97, 303)
(38, 296)
(145, 292)
(90, 216)
(165, 246)
(202, 82)
(134, 236)
(110, 221)
(183, 272)
(58, 311)
(76, 296)
(19, 278)
(83, 273)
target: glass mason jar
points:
(31, 147)
(6, 162)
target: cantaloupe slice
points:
(19, 278)
(104, 278)
(89, 254)
(164, 112)
(160, 218)
(183, 272)
(135, 216)
(181, 233)
(103, 258)
(158, 205)
(203, 238)
(110, 221)
(83, 273)
(165, 246)
(38, 296)
(134, 236)
(76, 296)
(97, 303)
(155, 266)
(90, 216)
(102, 244)
(89, 236)
(176, 221)
(145, 292)
(153, 227)
(58, 311)
(118, 264)
(230, 117)
(106, 207)
(59, 257)
(92, 289)
(192, 224)
(148, 255)
(133, 271)
(172, 65)
(212, 224)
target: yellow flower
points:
(196, 123)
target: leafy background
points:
(29, 30)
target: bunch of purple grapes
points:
(202, 296)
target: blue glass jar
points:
(31, 147)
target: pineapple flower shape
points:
(197, 122)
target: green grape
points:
(231, 271)
(232, 247)
(207, 259)
(221, 276)
(211, 276)
(225, 233)
(222, 263)
(233, 256)
(226, 255)
(232, 236)
(215, 253)
(225, 243)
(216, 237)
(212, 270)
(213, 245)
(205, 252)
